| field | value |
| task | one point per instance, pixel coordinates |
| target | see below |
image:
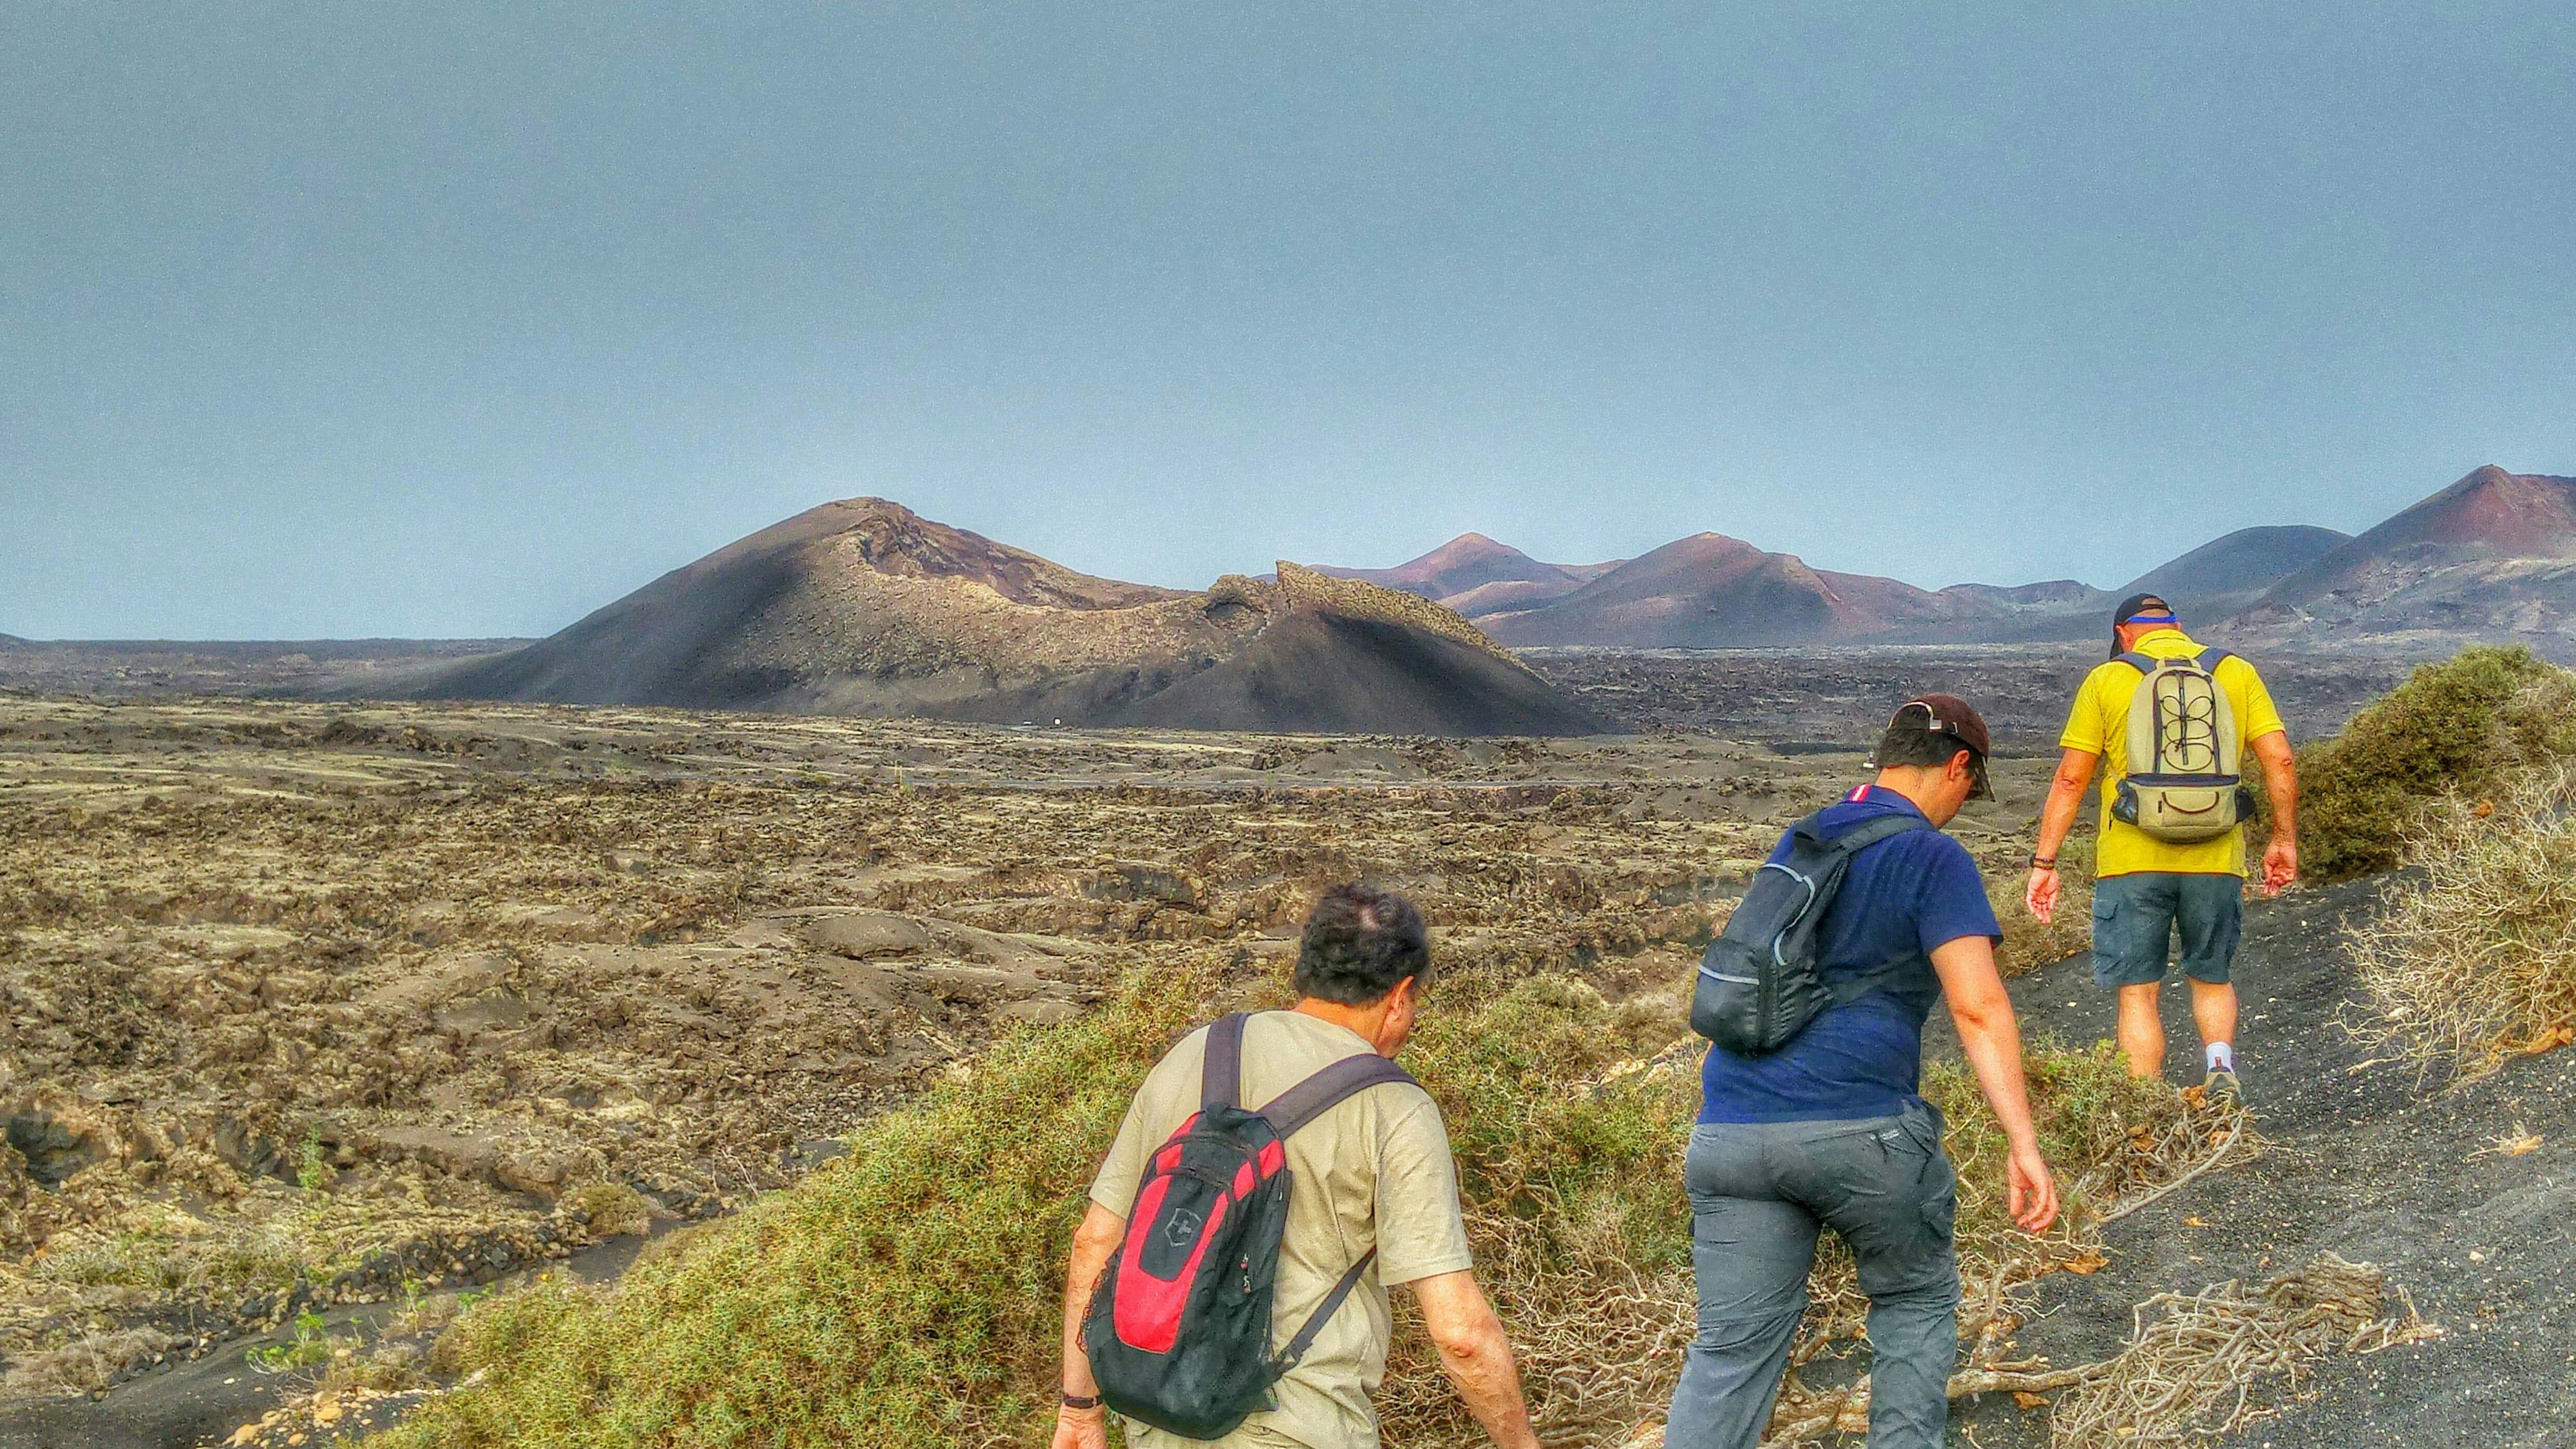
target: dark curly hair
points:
(1359, 943)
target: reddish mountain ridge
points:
(2492, 557)
(1712, 591)
(2490, 514)
(1474, 575)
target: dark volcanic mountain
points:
(863, 607)
(2492, 555)
(2224, 575)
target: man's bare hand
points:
(2030, 1190)
(2041, 894)
(2280, 865)
(1081, 1429)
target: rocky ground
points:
(321, 1016)
(122, 668)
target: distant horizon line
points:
(7, 636)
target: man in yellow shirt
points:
(2146, 889)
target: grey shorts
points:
(2136, 917)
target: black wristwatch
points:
(1079, 1401)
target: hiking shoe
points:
(2219, 1090)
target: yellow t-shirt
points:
(2099, 725)
(1372, 1172)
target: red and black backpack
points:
(1179, 1328)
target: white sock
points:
(2222, 1058)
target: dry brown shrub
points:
(2471, 959)
(2195, 1361)
(82, 1365)
(1597, 1336)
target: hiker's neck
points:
(1383, 1023)
(2132, 635)
(1922, 787)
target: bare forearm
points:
(1490, 1383)
(1993, 1049)
(2057, 821)
(2281, 783)
(1477, 1356)
(1077, 1364)
(2065, 801)
(1092, 1245)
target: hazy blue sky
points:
(362, 319)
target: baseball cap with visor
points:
(1950, 717)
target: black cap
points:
(2136, 606)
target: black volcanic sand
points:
(1306, 672)
(1313, 671)
(2367, 1162)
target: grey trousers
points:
(1758, 1193)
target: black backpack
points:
(1179, 1328)
(1757, 981)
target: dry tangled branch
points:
(2194, 1143)
(1598, 1341)
(2194, 1362)
(1599, 1345)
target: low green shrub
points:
(308, 1346)
(2086, 1107)
(909, 1293)
(2457, 728)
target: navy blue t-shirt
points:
(1904, 897)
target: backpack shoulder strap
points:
(1868, 833)
(1852, 842)
(1325, 1090)
(2209, 659)
(1221, 1075)
(1806, 830)
(1305, 1338)
(1294, 1108)
(2143, 663)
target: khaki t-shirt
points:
(1373, 1171)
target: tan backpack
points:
(2183, 783)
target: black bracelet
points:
(1079, 1401)
(2038, 864)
